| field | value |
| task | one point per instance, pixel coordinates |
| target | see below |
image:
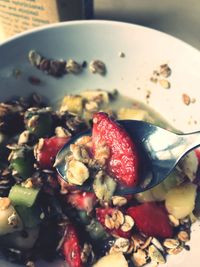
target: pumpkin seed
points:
(97, 66)
(156, 255)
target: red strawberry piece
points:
(101, 214)
(151, 219)
(71, 248)
(123, 161)
(47, 150)
(197, 151)
(82, 200)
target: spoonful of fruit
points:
(122, 157)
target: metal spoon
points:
(160, 150)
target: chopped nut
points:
(165, 84)
(77, 172)
(13, 219)
(156, 255)
(186, 99)
(128, 223)
(4, 203)
(102, 153)
(62, 132)
(97, 66)
(121, 245)
(56, 68)
(138, 241)
(153, 80)
(34, 58)
(171, 243)
(73, 66)
(85, 141)
(156, 73)
(174, 251)
(165, 71)
(121, 54)
(114, 221)
(91, 106)
(183, 236)
(80, 153)
(33, 121)
(119, 201)
(118, 218)
(131, 247)
(173, 220)
(109, 223)
(24, 137)
(28, 183)
(139, 258)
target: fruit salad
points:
(46, 216)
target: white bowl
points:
(145, 50)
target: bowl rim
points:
(115, 23)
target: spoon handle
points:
(192, 140)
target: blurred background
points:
(180, 18)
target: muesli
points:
(45, 216)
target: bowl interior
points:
(144, 49)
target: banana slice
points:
(100, 96)
(180, 201)
(134, 114)
(115, 259)
(72, 103)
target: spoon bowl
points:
(159, 152)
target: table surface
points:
(180, 18)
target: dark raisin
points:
(57, 68)
(44, 64)
(34, 80)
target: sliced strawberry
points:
(47, 149)
(151, 219)
(101, 215)
(71, 248)
(197, 151)
(123, 161)
(82, 200)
